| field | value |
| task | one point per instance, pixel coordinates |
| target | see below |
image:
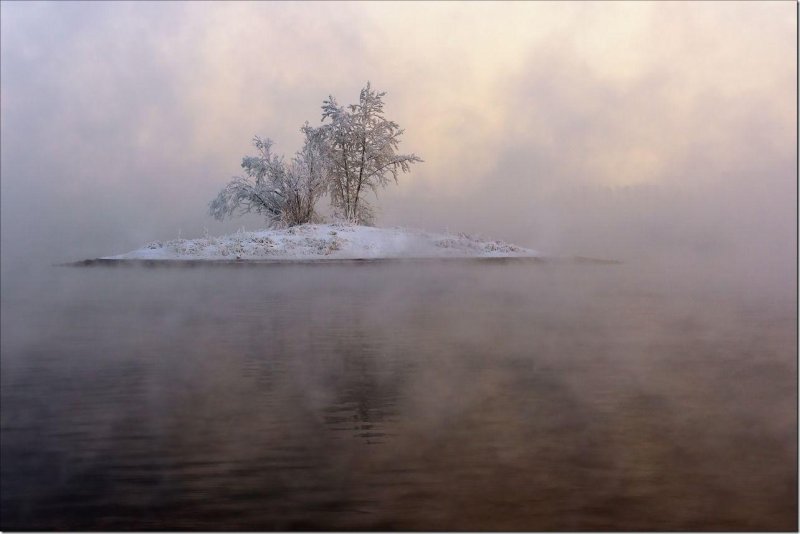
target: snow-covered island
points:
(352, 152)
(312, 242)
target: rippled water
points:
(396, 396)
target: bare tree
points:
(361, 153)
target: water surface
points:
(397, 397)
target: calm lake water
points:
(410, 396)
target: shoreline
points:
(189, 263)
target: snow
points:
(327, 241)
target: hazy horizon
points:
(617, 130)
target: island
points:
(352, 152)
(336, 241)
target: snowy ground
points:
(327, 241)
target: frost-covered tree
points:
(355, 150)
(285, 193)
(305, 178)
(360, 149)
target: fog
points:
(643, 131)
(658, 393)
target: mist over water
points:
(659, 393)
(455, 396)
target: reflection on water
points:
(410, 397)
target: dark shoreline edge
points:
(106, 262)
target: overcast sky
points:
(576, 128)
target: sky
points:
(577, 128)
